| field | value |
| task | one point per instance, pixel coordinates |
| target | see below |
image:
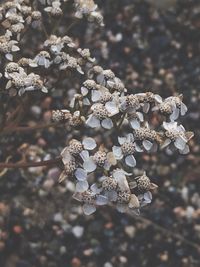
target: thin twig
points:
(11, 129)
(18, 165)
(166, 231)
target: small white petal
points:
(89, 143)
(158, 98)
(96, 95)
(86, 101)
(146, 107)
(175, 114)
(82, 186)
(80, 174)
(183, 109)
(84, 155)
(84, 91)
(112, 108)
(185, 151)
(135, 124)
(89, 165)
(117, 152)
(130, 161)
(9, 56)
(88, 209)
(107, 123)
(95, 189)
(15, 48)
(101, 79)
(111, 195)
(179, 143)
(101, 200)
(140, 116)
(130, 137)
(138, 149)
(121, 140)
(93, 122)
(147, 144)
(147, 197)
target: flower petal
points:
(147, 144)
(107, 123)
(135, 124)
(117, 152)
(95, 96)
(84, 91)
(95, 189)
(146, 107)
(183, 109)
(80, 174)
(89, 165)
(92, 121)
(89, 143)
(121, 140)
(180, 143)
(101, 200)
(88, 209)
(185, 151)
(174, 114)
(112, 108)
(82, 186)
(130, 161)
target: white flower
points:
(135, 119)
(176, 133)
(126, 150)
(91, 198)
(43, 59)
(99, 117)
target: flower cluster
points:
(104, 103)
(117, 187)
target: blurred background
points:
(151, 45)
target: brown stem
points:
(19, 165)
(10, 129)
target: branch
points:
(10, 129)
(19, 165)
(166, 231)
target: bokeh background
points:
(153, 46)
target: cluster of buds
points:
(103, 102)
(16, 15)
(88, 9)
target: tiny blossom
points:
(176, 133)
(173, 106)
(142, 183)
(135, 119)
(85, 54)
(90, 199)
(43, 59)
(61, 115)
(130, 103)
(54, 43)
(126, 150)
(149, 137)
(55, 9)
(147, 98)
(99, 117)
(7, 47)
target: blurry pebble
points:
(75, 262)
(58, 217)
(78, 231)
(88, 252)
(108, 264)
(130, 231)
